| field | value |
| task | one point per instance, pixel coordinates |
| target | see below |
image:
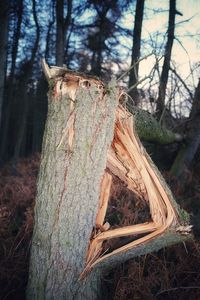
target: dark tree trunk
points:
(60, 38)
(39, 113)
(167, 57)
(4, 16)
(11, 89)
(136, 49)
(61, 29)
(97, 42)
(48, 37)
(16, 38)
(20, 136)
(190, 147)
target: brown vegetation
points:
(17, 194)
(171, 273)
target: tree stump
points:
(89, 143)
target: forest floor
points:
(171, 273)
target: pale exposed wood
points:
(55, 72)
(128, 160)
(45, 69)
(125, 231)
(126, 172)
(68, 132)
(104, 196)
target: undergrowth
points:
(17, 195)
(172, 273)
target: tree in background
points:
(24, 81)
(15, 28)
(90, 36)
(190, 146)
(102, 37)
(167, 58)
(62, 28)
(133, 78)
(103, 29)
(4, 15)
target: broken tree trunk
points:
(89, 143)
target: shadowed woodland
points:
(95, 37)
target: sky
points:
(186, 48)
(185, 51)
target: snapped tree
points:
(89, 141)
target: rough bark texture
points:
(4, 12)
(68, 191)
(167, 58)
(136, 49)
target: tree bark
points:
(136, 50)
(167, 57)
(4, 15)
(61, 29)
(66, 207)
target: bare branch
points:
(133, 66)
(182, 81)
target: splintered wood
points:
(128, 160)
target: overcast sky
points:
(186, 48)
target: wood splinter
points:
(127, 153)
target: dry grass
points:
(17, 194)
(172, 273)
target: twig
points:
(133, 66)
(144, 78)
(182, 81)
(137, 83)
